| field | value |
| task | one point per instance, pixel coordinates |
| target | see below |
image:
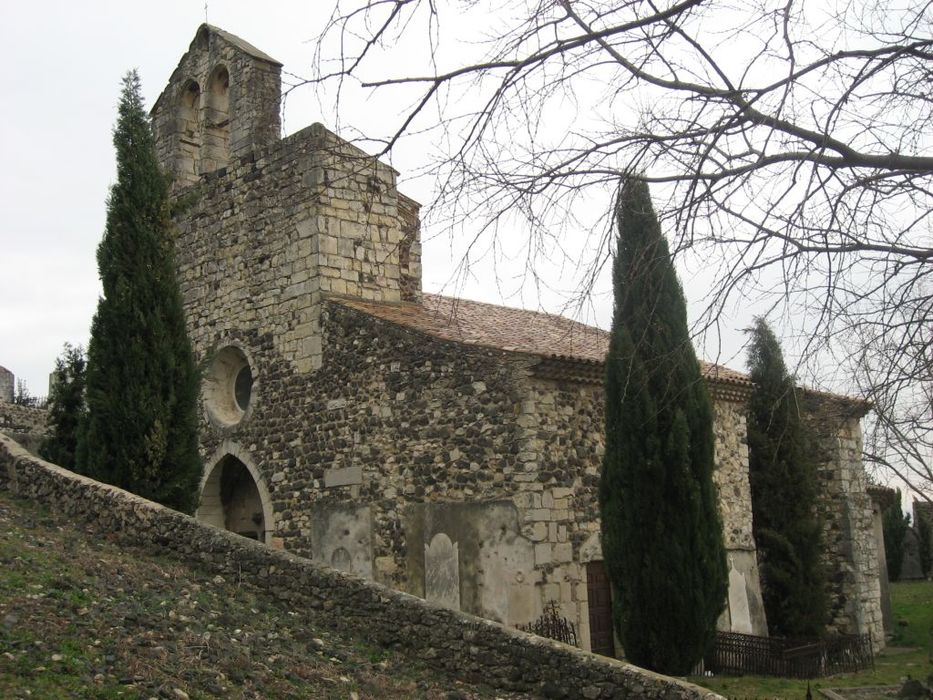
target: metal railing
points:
(736, 653)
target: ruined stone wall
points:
(25, 425)
(7, 385)
(463, 645)
(851, 552)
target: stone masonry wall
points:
(463, 645)
(745, 612)
(202, 124)
(409, 250)
(561, 425)
(245, 252)
(7, 385)
(392, 419)
(731, 475)
(357, 222)
(25, 425)
(261, 240)
(851, 552)
(398, 422)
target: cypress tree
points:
(782, 474)
(66, 407)
(661, 530)
(894, 526)
(142, 385)
(925, 542)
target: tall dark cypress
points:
(895, 524)
(782, 473)
(662, 533)
(142, 384)
(66, 407)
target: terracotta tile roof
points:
(509, 329)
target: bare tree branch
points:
(791, 140)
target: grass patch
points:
(910, 652)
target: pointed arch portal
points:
(234, 498)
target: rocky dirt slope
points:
(81, 617)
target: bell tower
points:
(221, 102)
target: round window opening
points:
(243, 387)
(228, 387)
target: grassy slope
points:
(83, 618)
(909, 652)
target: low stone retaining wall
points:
(464, 646)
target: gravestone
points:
(442, 572)
(738, 602)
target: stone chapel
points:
(444, 447)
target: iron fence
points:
(552, 625)
(736, 653)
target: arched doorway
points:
(233, 498)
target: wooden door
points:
(599, 595)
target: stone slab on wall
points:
(348, 476)
(887, 611)
(342, 537)
(495, 563)
(745, 612)
(463, 645)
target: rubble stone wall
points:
(851, 550)
(25, 425)
(463, 645)
(404, 423)
(7, 385)
(260, 241)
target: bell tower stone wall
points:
(221, 102)
(267, 226)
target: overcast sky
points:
(60, 83)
